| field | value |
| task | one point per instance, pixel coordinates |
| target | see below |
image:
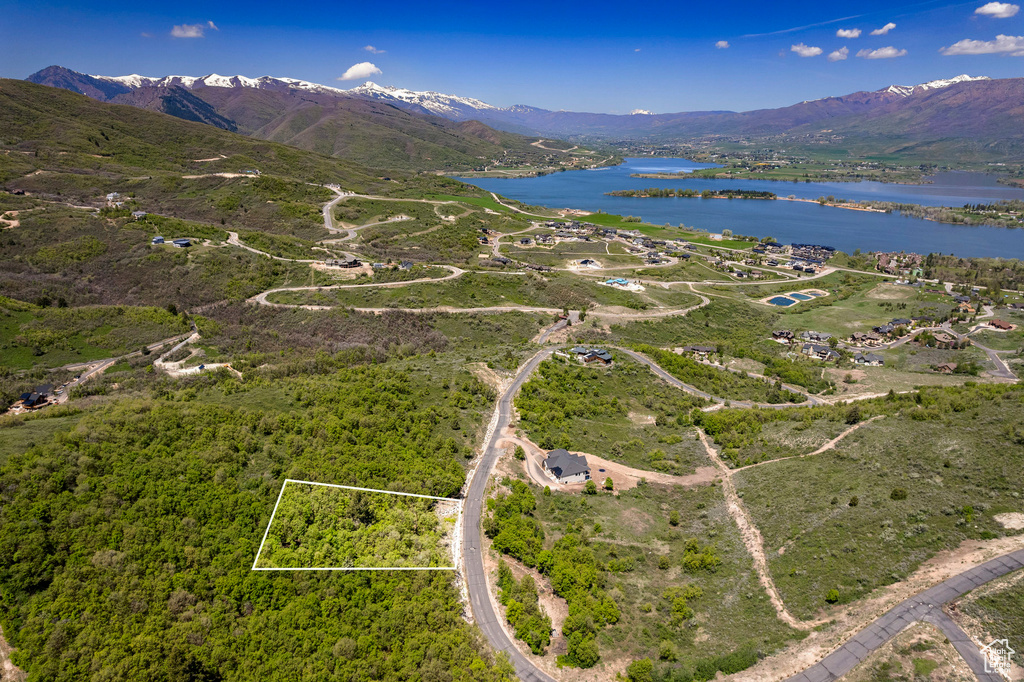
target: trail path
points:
(824, 448)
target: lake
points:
(787, 221)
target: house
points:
(946, 368)
(525, 241)
(782, 335)
(37, 397)
(378, 266)
(901, 322)
(597, 355)
(483, 240)
(566, 467)
(182, 243)
(944, 339)
(816, 351)
(347, 263)
(158, 240)
(1001, 324)
(869, 359)
(139, 215)
(405, 265)
(865, 338)
(817, 337)
(962, 299)
(702, 351)
(587, 261)
(885, 329)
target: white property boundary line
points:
(348, 487)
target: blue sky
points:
(582, 56)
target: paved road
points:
(811, 400)
(472, 552)
(926, 606)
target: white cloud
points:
(805, 50)
(839, 55)
(636, 50)
(722, 44)
(372, 50)
(881, 53)
(848, 33)
(188, 31)
(885, 29)
(146, 35)
(212, 25)
(998, 10)
(1012, 45)
(360, 70)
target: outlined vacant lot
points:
(324, 527)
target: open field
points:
(632, 534)
(996, 611)
(889, 495)
(33, 336)
(623, 413)
(473, 290)
(921, 652)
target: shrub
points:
(519, 453)
(608, 485)
(832, 596)
(673, 518)
(898, 494)
(640, 671)
(590, 488)
(854, 501)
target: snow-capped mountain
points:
(214, 80)
(641, 112)
(448, 106)
(908, 90)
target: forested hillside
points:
(126, 539)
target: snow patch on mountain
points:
(435, 102)
(643, 112)
(907, 90)
(214, 80)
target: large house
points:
(825, 353)
(869, 359)
(567, 467)
(590, 355)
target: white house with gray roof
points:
(566, 467)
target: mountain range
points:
(960, 118)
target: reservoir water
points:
(787, 221)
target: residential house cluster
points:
(899, 263)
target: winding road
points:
(925, 606)
(487, 618)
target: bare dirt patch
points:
(638, 418)
(889, 292)
(1011, 521)
(9, 670)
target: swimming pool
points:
(782, 301)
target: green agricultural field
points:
(672, 611)
(890, 495)
(622, 413)
(325, 527)
(49, 337)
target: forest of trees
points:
(323, 527)
(126, 540)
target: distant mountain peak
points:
(907, 90)
(449, 106)
(642, 112)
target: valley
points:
(304, 382)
